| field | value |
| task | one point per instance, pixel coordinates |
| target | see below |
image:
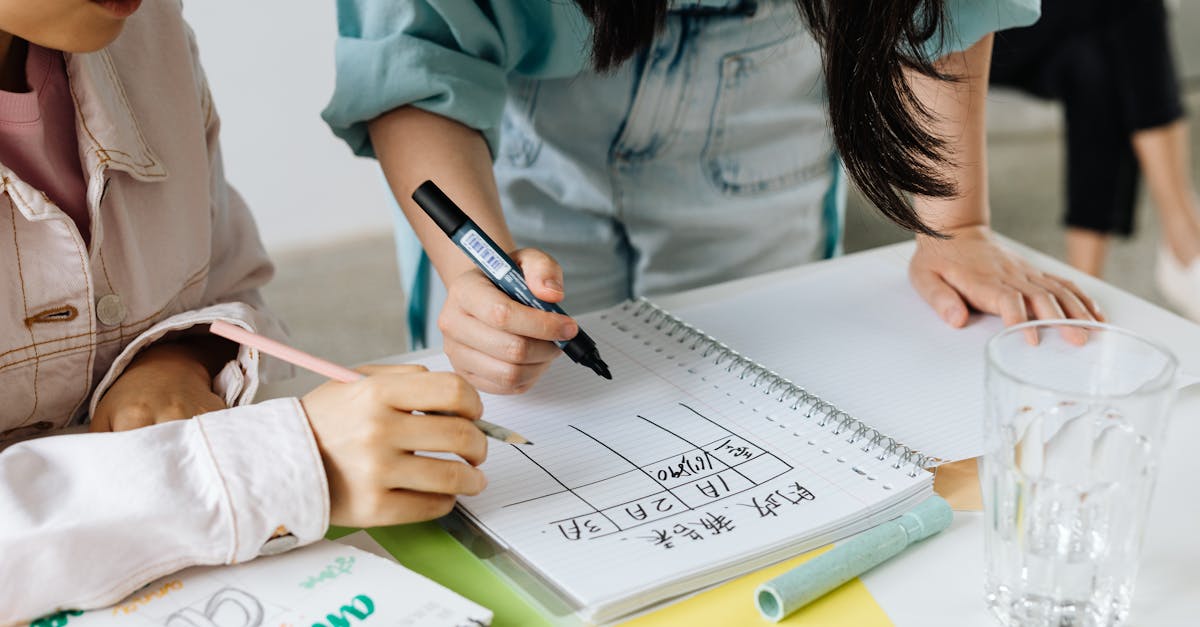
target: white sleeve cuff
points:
(269, 465)
(236, 388)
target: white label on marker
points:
(480, 250)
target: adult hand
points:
(368, 433)
(165, 382)
(499, 345)
(972, 270)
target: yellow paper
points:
(733, 604)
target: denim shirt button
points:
(110, 310)
(279, 544)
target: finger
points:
(487, 386)
(1092, 306)
(944, 299)
(439, 434)
(507, 347)
(374, 369)
(431, 392)
(1046, 305)
(1071, 306)
(492, 375)
(1069, 301)
(542, 273)
(435, 476)
(1009, 303)
(1042, 303)
(478, 298)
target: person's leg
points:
(1166, 160)
(1087, 250)
(1153, 110)
(1063, 57)
(1101, 168)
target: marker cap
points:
(440, 208)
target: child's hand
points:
(169, 381)
(498, 344)
(368, 434)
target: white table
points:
(940, 582)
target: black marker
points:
(500, 268)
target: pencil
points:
(333, 371)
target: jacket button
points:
(278, 545)
(110, 310)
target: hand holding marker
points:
(500, 268)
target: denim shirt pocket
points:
(519, 141)
(769, 129)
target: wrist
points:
(963, 231)
(176, 357)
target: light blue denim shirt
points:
(455, 58)
(706, 158)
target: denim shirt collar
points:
(109, 133)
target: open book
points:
(694, 465)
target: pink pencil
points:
(333, 371)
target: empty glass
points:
(1072, 438)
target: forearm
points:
(413, 146)
(959, 118)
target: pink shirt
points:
(37, 135)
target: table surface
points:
(940, 582)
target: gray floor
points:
(343, 301)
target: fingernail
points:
(569, 330)
(553, 284)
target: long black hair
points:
(880, 128)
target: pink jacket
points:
(85, 519)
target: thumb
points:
(542, 273)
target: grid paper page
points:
(859, 336)
(673, 469)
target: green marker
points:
(813, 579)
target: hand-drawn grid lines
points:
(699, 475)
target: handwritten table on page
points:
(322, 585)
(676, 474)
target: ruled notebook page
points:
(668, 477)
(859, 336)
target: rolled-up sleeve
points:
(87, 519)
(448, 57)
(971, 20)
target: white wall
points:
(270, 66)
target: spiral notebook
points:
(694, 465)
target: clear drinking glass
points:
(1072, 438)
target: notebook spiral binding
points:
(786, 392)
